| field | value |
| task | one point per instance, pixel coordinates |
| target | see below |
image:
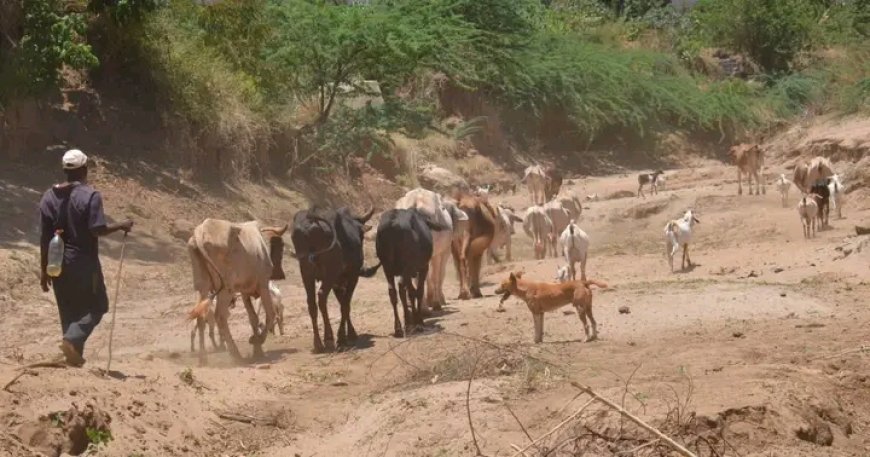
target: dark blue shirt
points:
(83, 207)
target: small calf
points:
(783, 184)
(648, 178)
(808, 210)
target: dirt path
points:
(751, 336)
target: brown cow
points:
(229, 258)
(553, 183)
(806, 174)
(749, 159)
(482, 219)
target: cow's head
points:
(274, 238)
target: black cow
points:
(404, 247)
(822, 194)
(329, 249)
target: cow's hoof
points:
(318, 347)
(330, 345)
(399, 333)
(476, 294)
(464, 295)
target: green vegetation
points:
(250, 79)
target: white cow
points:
(535, 179)
(431, 205)
(538, 227)
(575, 248)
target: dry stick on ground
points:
(633, 451)
(671, 443)
(468, 406)
(249, 419)
(28, 370)
(523, 427)
(625, 392)
(556, 428)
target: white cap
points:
(74, 159)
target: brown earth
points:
(757, 350)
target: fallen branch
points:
(249, 419)
(556, 428)
(863, 348)
(671, 443)
(468, 406)
(633, 451)
(28, 370)
(523, 427)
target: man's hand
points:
(127, 225)
(45, 281)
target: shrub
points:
(771, 32)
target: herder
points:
(75, 211)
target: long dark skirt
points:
(81, 300)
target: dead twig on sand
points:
(677, 447)
(271, 421)
(28, 370)
(556, 428)
(523, 427)
(633, 451)
(468, 406)
(862, 348)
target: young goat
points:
(575, 248)
(783, 184)
(836, 189)
(648, 178)
(563, 274)
(808, 210)
(679, 233)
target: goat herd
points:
(413, 243)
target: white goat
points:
(679, 233)
(837, 190)
(592, 197)
(783, 184)
(575, 247)
(808, 210)
(538, 227)
(563, 274)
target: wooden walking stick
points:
(115, 303)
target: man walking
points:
(76, 209)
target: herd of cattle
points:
(413, 243)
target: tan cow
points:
(806, 174)
(538, 227)
(560, 218)
(481, 229)
(459, 245)
(504, 229)
(229, 258)
(434, 209)
(749, 159)
(535, 178)
(572, 205)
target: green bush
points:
(771, 32)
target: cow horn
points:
(367, 216)
(276, 230)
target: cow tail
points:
(595, 282)
(369, 272)
(201, 308)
